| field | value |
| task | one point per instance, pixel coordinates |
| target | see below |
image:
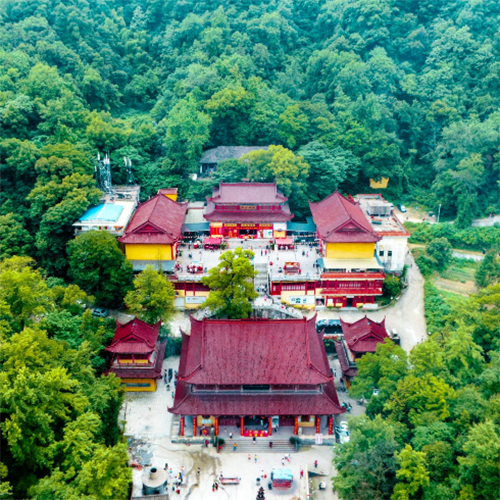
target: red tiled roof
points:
(254, 351)
(157, 221)
(247, 192)
(340, 220)
(134, 337)
(146, 372)
(189, 403)
(166, 191)
(214, 215)
(347, 369)
(364, 335)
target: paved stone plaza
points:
(148, 426)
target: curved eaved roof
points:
(157, 221)
(340, 220)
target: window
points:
(256, 387)
(389, 253)
(381, 253)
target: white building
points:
(392, 248)
(112, 214)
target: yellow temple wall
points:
(131, 388)
(350, 250)
(135, 251)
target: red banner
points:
(270, 426)
(182, 426)
(296, 426)
(216, 426)
(194, 426)
(242, 426)
(318, 424)
(330, 426)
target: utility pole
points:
(439, 213)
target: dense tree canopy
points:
(60, 417)
(439, 406)
(405, 90)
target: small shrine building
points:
(360, 337)
(137, 355)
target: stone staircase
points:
(262, 278)
(246, 445)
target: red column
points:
(318, 423)
(216, 426)
(296, 426)
(330, 425)
(194, 426)
(270, 426)
(182, 426)
(242, 426)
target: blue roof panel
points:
(103, 212)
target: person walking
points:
(315, 464)
(198, 471)
(301, 473)
(255, 458)
(235, 445)
(249, 456)
(230, 435)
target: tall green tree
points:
(366, 465)
(488, 272)
(153, 297)
(188, 130)
(97, 265)
(231, 285)
(413, 474)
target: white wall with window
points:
(391, 251)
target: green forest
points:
(343, 91)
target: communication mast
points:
(103, 174)
(130, 175)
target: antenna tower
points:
(103, 174)
(130, 175)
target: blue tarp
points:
(104, 212)
(282, 474)
(196, 227)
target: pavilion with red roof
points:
(245, 372)
(360, 337)
(153, 234)
(248, 210)
(137, 355)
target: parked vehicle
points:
(376, 392)
(342, 432)
(100, 312)
(402, 208)
(329, 325)
(394, 336)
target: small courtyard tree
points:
(231, 285)
(153, 297)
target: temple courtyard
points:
(149, 427)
